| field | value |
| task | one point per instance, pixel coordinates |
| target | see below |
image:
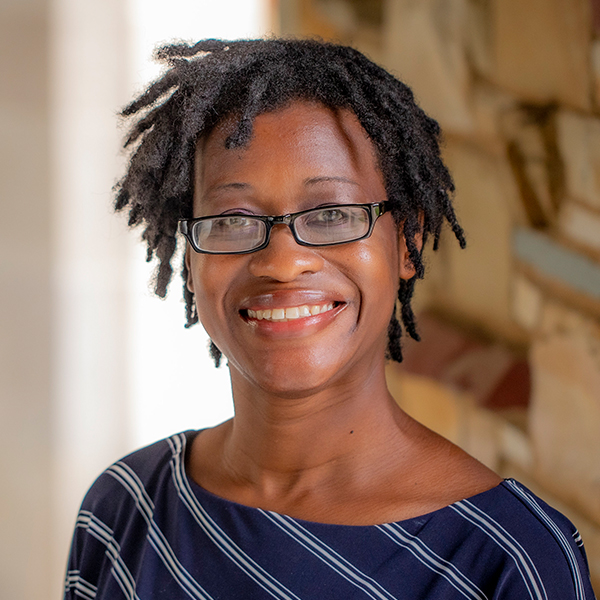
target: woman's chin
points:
(286, 378)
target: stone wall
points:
(516, 88)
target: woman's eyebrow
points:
(238, 185)
(233, 185)
(327, 178)
(221, 187)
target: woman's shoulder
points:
(139, 474)
(537, 545)
(119, 515)
(511, 511)
(501, 543)
(476, 492)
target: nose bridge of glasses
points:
(281, 219)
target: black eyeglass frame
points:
(374, 210)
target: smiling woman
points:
(303, 157)
(306, 181)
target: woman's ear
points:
(406, 267)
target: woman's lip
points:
(282, 299)
(294, 327)
(289, 313)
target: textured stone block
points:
(581, 225)
(527, 301)
(549, 260)
(434, 405)
(425, 46)
(489, 373)
(565, 408)
(515, 446)
(357, 24)
(513, 387)
(475, 282)
(579, 145)
(480, 435)
(479, 34)
(490, 107)
(595, 61)
(542, 50)
(441, 345)
(534, 162)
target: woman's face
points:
(300, 157)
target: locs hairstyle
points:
(214, 79)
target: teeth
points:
(278, 314)
(290, 313)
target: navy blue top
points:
(145, 530)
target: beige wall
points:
(25, 324)
(75, 304)
(62, 378)
(88, 78)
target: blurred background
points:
(93, 366)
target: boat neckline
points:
(190, 435)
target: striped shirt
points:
(145, 530)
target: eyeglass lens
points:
(229, 233)
(332, 225)
(241, 233)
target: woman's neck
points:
(284, 446)
(346, 454)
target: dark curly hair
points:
(214, 79)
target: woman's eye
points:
(331, 216)
(233, 222)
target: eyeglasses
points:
(240, 233)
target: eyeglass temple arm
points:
(379, 209)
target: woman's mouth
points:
(290, 313)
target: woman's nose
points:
(284, 259)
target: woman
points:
(306, 181)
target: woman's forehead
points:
(307, 135)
